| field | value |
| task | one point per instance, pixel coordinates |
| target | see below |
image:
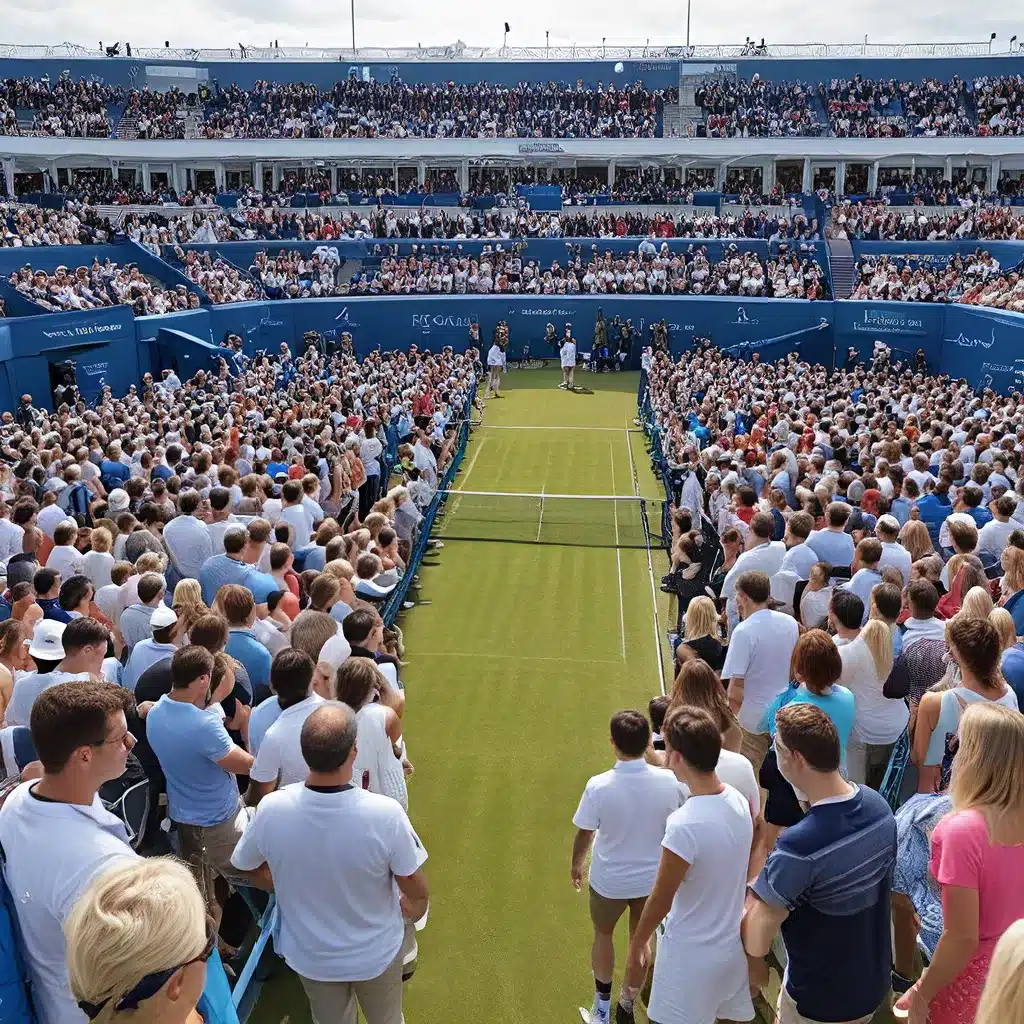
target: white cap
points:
(336, 651)
(46, 640)
(118, 500)
(889, 523)
(163, 617)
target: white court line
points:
(618, 561)
(507, 657)
(504, 426)
(540, 523)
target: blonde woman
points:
(1002, 999)
(975, 648)
(189, 605)
(915, 538)
(878, 721)
(1012, 585)
(138, 944)
(97, 563)
(977, 858)
(701, 634)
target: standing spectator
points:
(56, 834)
(757, 662)
(700, 973)
(622, 816)
(239, 609)
(977, 857)
(763, 555)
(64, 558)
(279, 761)
(1002, 1001)
(159, 647)
(135, 622)
(187, 539)
(345, 922)
(826, 883)
(200, 762)
(887, 530)
(220, 570)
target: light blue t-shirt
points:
(262, 718)
(188, 744)
(839, 705)
(220, 570)
(834, 548)
(244, 647)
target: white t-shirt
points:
(627, 807)
(280, 757)
(298, 517)
(28, 687)
(54, 850)
(340, 915)
(736, 771)
(760, 652)
(898, 556)
(701, 970)
(877, 719)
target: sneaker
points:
(563, 386)
(624, 1016)
(408, 604)
(595, 1015)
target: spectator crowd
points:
(197, 576)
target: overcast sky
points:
(221, 23)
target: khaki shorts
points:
(207, 849)
(754, 746)
(605, 912)
(380, 998)
(789, 1014)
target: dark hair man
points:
(700, 972)
(56, 834)
(622, 815)
(827, 882)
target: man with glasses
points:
(55, 833)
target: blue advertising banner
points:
(985, 346)
(903, 326)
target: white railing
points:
(461, 51)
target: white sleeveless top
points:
(376, 767)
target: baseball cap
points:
(46, 642)
(163, 617)
(888, 522)
(117, 500)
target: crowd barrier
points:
(111, 347)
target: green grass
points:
(514, 670)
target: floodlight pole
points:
(354, 51)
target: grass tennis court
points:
(527, 648)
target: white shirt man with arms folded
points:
(826, 884)
(495, 364)
(757, 662)
(700, 974)
(200, 762)
(345, 921)
(56, 834)
(762, 555)
(626, 809)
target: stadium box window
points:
(969, 176)
(701, 179)
(894, 177)
(268, 179)
(408, 177)
(442, 179)
(824, 178)
(743, 179)
(486, 179)
(28, 181)
(1011, 182)
(373, 178)
(127, 175)
(856, 179)
(237, 178)
(160, 181)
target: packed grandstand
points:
(555, 402)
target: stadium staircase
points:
(843, 267)
(690, 112)
(127, 127)
(671, 121)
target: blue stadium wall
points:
(656, 73)
(111, 347)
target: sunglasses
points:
(148, 986)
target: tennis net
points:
(576, 520)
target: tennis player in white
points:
(567, 354)
(495, 364)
